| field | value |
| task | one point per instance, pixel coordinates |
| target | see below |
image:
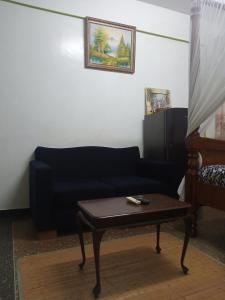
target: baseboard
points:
(14, 212)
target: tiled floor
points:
(17, 239)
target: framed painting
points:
(109, 46)
(220, 123)
(156, 100)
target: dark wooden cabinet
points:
(164, 135)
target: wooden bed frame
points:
(198, 193)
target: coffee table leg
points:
(188, 228)
(97, 236)
(80, 234)
(158, 249)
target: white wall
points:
(48, 98)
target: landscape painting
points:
(156, 100)
(220, 123)
(110, 46)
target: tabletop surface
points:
(118, 206)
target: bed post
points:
(191, 178)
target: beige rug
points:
(130, 269)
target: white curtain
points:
(207, 65)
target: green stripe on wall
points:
(80, 17)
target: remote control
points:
(142, 199)
(133, 200)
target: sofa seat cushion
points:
(131, 185)
(68, 192)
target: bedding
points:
(212, 174)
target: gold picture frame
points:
(109, 46)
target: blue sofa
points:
(61, 177)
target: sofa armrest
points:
(41, 195)
(167, 171)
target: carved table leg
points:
(80, 234)
(97, 236)
(158, 249)
(188, 227)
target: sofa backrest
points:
(89, 162)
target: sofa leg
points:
(47, 234)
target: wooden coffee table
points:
(101, 214)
